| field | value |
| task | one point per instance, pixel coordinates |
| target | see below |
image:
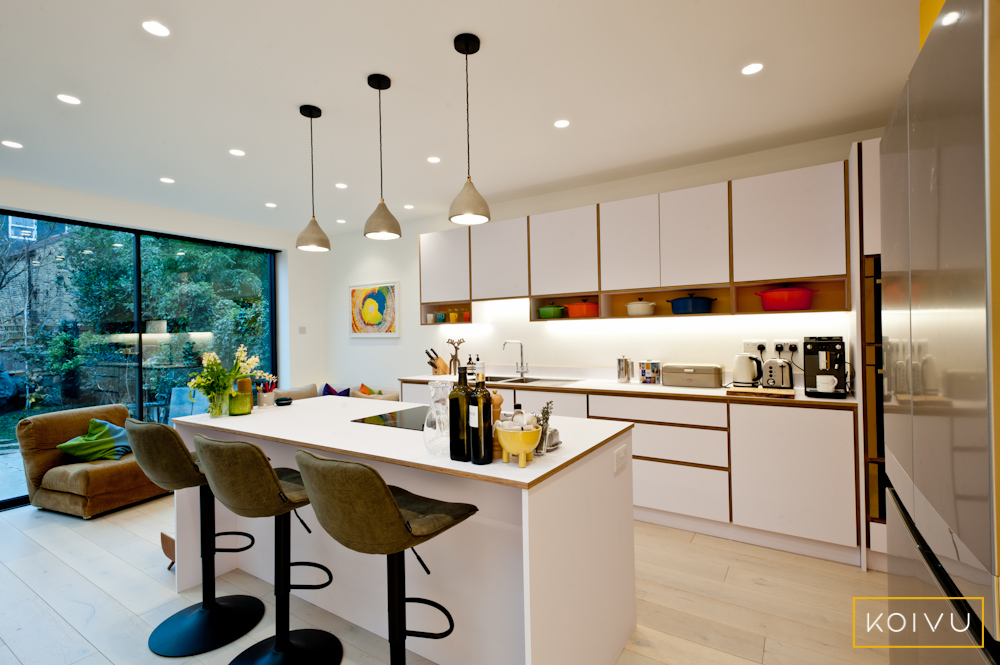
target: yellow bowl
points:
(519, 443)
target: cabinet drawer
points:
(688, 490)
(681, 444)
(419, 393)
(563, 404)
(678, 411)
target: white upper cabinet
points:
(500, 259)
(871, 205)
(444, 265)
(694, 236)
(563, 251)
(790, 225)
(630, 233)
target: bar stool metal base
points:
(305, 647)
(199, 629)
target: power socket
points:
(621, 459)
(785, 344)
(750, 345)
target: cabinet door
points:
(686, 490)
(630, 233)
(871, 192)
(499, 259)
(563, 404)
(694, 236)
(790, 224)
(563, 248)
(793, 471)
(415, 392)
(444, 266)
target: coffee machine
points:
(825, 367)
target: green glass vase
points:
(217, 405)
(240, 404)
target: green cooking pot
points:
(551, 311)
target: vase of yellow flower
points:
(217, 382)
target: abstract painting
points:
(374, 310)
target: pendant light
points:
(312, 238)
(381, 225)
(469, 207)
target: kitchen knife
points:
(429, 355)
(435, 353)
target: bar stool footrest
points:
(440, 608)
(326, 570)
(235, 549)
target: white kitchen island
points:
(543, 574)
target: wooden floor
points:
(90, 592)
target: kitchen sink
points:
(495, 379)
(523, 379)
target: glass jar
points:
(218, 405)
(240, 404)
(436, 431)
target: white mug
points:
(826, 383)
(431, 318)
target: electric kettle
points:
(747, 371)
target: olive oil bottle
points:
(480, 433)
(458, 417)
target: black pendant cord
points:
(380, 193)
(312, 169)
(468, 141)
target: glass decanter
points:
(436, 435)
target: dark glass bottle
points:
(458, 417)
(481, 423)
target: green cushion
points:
(103, 440)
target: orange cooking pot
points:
(579, 310)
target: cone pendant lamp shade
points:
(469, 207)
(312, 238)
(382, 225)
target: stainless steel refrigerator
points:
(941, 327)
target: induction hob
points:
(411, 418)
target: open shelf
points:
(614, 305)
(831, 295)
(564, 299)
(460, 308)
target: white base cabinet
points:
(563, 404)
(675, 488)
(793, 471)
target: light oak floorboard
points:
(130, 548)
(142, 525)
(31, 631)
(249, 584)
(632, 658)
(682, 562)
(779, 653)
(709, 633)
(662, 532)
(7, 658)
(672, 650)
(96, 659)
(841, 602)
(14, 544)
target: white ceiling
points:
(646, 84)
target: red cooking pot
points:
(578, 310)
(786, 298)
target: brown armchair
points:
(58, 481)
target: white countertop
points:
(324, 424)
(639, 389)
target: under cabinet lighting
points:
(155, 28)
(12, 144)
(69, 99)
(752, 69)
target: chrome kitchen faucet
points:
(522, 367)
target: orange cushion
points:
(365, 389)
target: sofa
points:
(388, 394)
(60, 482)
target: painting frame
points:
(389, 299)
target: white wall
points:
(561, 344)
(302, 358)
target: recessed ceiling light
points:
(341, 221)
(12, 144)
(117, 244)
(561, 123)
(169, 181)
(271, 205)
(340, 185)
(180, 253)
(86, 251)
(408, 207)
(752, 69)
(155, 28)
(433, 160)
(235, 152)
(69, 99)
(950, 18)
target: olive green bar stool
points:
(356, 507)
(214, 622)
(242, 478)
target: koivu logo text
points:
(916, 623)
